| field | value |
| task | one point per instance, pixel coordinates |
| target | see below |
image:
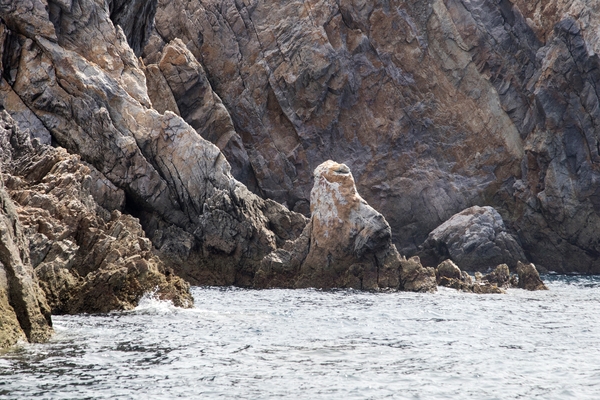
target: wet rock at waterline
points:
(449, 275)
(476, 239)
(529, 279)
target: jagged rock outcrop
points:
(383, 86)
(24, 312)
(86, 258)
(83, 82)
(476, 239)
(416, 278)
(501, 277)
(449, 275)
(435, 105)
(529, 279)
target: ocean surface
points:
(312, 344)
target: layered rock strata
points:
(435, 105)
(74, 72)
(24, 312)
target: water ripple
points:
(311, 344)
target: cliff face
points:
(69, 71)
(435, 105)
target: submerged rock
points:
(475, 239)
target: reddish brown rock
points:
(529, 278)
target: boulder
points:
(529, 279)
(475, 239)
(500, 276)
(447, 269)
(449, 275)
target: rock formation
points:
(346, 244)
(476, 239)
(449, 275)
(73, 71)
(435, 105)
(86, 258)
(24, 312)
(529, 279)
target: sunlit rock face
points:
(350, 242)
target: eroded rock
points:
(416, 278)
(475, 239)
(449, 275)
(24, 312)
(529, 278)
(87, 258)
(346, 244)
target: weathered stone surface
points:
(24, 312)
(177, 75)
(449, 275)
(86, 258)
(346, 244)
(84, 83)
(135, 17)
(416, 278)
(447, 269)
(436, 106)
(500, 276)
(475, 239)
(529, 279)
(299, 79)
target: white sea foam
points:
(150, 303)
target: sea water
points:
(313, 344)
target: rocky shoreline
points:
(149, 145)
